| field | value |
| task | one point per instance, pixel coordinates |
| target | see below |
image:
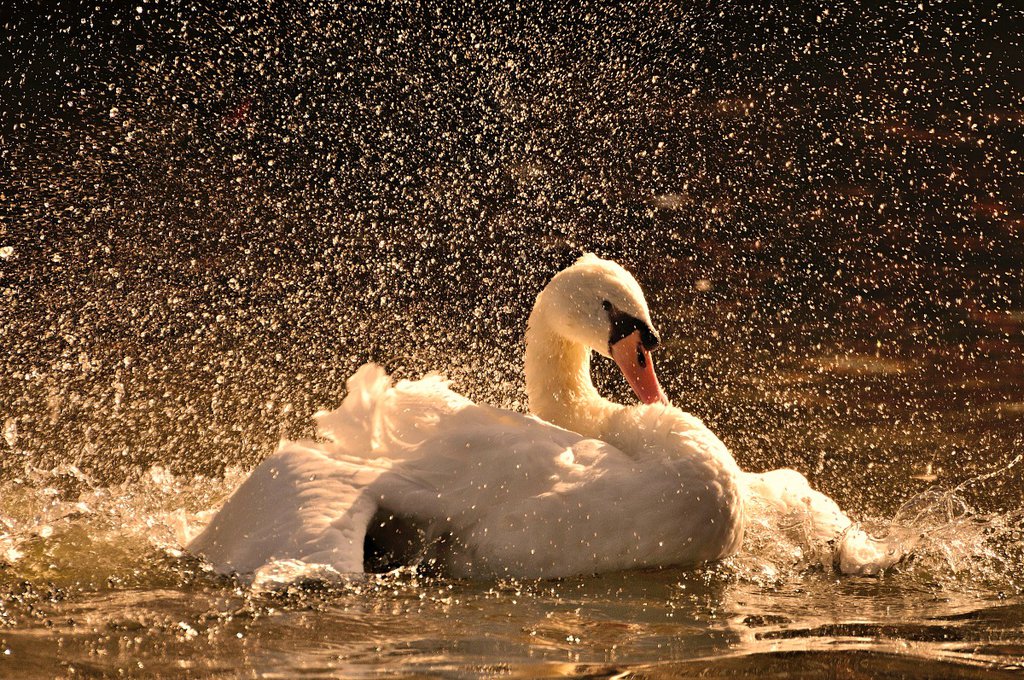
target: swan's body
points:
(414, 471)
(491, 491)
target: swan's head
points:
(598, 304)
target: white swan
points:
(414, 471)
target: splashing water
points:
(64, 527)
(51, 518)
(93, 563)
(212, 215)
(935, 537)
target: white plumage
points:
(492, 492)
(411, 472)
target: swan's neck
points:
(558, 382)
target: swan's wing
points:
(297, 504)
(378, 419)
(312, 501)
(477, 458)
(522, 497)
(507, 494)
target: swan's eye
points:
(607, 306)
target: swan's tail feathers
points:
(381, 420)
(788, 493)
(351, 425)
(298, 504)
(853, 549)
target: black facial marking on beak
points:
(648, 337)
(624, 325)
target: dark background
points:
(215, 213)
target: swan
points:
(413, 472)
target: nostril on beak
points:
(641, 355)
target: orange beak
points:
(635, 363)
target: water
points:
(211, 218)
(98, 584)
